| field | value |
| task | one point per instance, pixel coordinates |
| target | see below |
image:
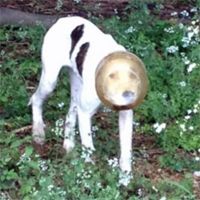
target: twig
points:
(22, 129)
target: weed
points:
(171, 112)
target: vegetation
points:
(170, 114)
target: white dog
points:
(78, 44)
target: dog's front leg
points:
(126, 131)
(84, 120)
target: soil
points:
(147, 163)
(100, 8)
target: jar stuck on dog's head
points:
(121, 80)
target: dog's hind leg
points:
(71, 118)
(46, 86)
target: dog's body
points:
(78, 44)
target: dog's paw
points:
(38, 134)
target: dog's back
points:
(65, 39)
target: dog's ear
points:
(118, 61)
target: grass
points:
(170, 114)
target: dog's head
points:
(121, 80)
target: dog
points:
(80, 45)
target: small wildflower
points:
(58, 130)
(183, 128)
(43, 165)
(191, 128)
(130, 30)
(169, 30)
(23, 159)
(172, 49)
(181, 133)
(191, 67)
(186, 60)
(154, 188)
(194, 9)
(50, 187)
(86, 154)
(197, 158)
(163, 198)
(159, 127)
(186, 41)
(95, 128)
(174, 13)
(61, 105)
(140, 192)
(77, 1)
(182, 83)
(164, 96)
(187, 117)
(181, 26)
(115, 11)
(184, 13)
(113, 163)
(195, 110)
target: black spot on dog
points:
(76, 35)
(81, 56)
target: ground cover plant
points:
(167, 140)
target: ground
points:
(146, 150)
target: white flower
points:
(196, 30)
(130, 30)
(174, 14)
(184, 13)
(169, 30)
(95, 128)
(50, 187)
(187, 117)
(140, 192)
(43, 165)
(77, 1)
(185, 41)
(58, 130)
(190, 35)
(194, 9)
(164, 96)
(159, 127)
(191, 128)
(181, 26)
(172, 49)
(197, 158)
(60, 105)
(195, 110)
(154, 188)
(191, 67)
(113, 162)
(182, 83)
(182, 126)
(163, 198)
